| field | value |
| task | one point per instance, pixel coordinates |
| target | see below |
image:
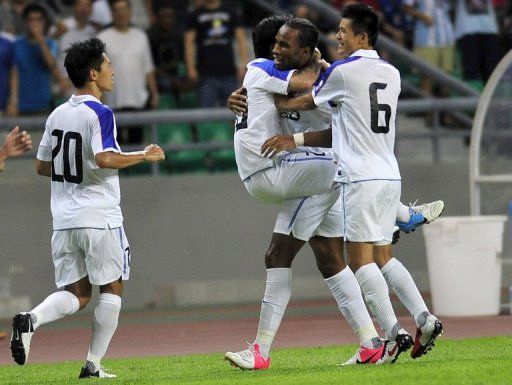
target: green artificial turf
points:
(471, 361)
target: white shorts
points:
(102, 254)
(316, 215)
(294, 175)
(370, 210)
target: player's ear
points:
(92, 75)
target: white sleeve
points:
(44, 152)
(265, 76)
(331, 88)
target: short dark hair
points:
(37, 8)
(81, 57)
(264, 35)
(308, 33)
(112, 2)
(364, 20)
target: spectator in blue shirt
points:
(34, 64)
(6, 65)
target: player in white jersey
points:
(313, 219)
(364, 109)
(80, 153)
(290, 175)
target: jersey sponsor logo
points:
(290, 114)
(241, 122)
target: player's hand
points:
(17, 143)
(237, 101)
(276, 144)
(154, 153)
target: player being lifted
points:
(289, 175)
(80, 153)
(363, 92)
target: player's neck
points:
(90, 89)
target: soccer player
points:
(316, 220)
(80, 153)
(289, 175)
(364, 110)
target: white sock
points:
(376, 294)
(403, 285)
(403, 214)
(54, 307)
(347, 293)
(104, 324)
(278, 291)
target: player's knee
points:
(83, 300)
(329, 265)
(276, 257)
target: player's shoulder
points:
(267, 67)
(342, 65)
(99, 109)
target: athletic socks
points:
(54, 307)
(104, 324)
(277, 295)
(347, 293)
(403, 214)
(375, 290)
(400, 280)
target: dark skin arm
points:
(279, 143)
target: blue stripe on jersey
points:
(331, 68)
(296, 212)
(270, 68)
(106, 118)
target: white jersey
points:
(82, 194)
(262, 80)
(318, 119)
(363, 92)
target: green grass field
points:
(472, 361)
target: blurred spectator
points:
(81, 12)
(6, 65)
(11, 19)
(395, 23)
(433, 35)
(78, 29)
(167, 49)
(329, 52)
(505, 25)
(35, 63)
(209, 55)
(180, 7)
(476, 32)
(101, 16)
(134, 72)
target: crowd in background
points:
(174, 48)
